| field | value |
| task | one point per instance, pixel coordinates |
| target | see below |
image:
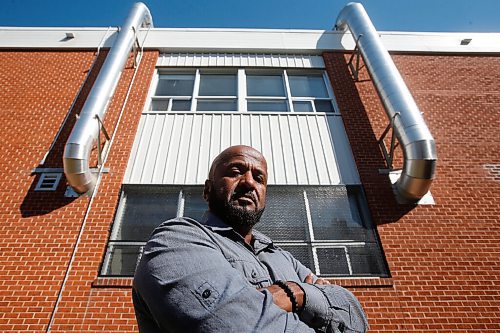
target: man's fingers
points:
(309, 278)
(322, 281)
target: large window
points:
(326, 227)
(253, 90)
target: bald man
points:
(220, 275)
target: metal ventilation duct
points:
(419, 149)
(84, 134)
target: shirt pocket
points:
(254, 273)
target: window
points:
(173, 93)
(141, 210)
(253, 90)
(326, 227)
(266, 93)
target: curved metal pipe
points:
(84, 134)
(419, 149)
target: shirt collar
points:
(213, 222)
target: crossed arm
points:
(283, 301)
(184, 283)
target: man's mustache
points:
(247, 194)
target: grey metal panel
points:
(301, 149)
(240, 60)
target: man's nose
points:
(248, 180)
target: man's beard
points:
(233, 215)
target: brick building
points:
(186, 94)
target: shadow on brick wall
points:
(363, 116)
(37, 203)
(43, 202)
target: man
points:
(220, 275)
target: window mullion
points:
(288, 91)
(311, 234)
(196, 88)
(180, 204)
(329, 89)
(242, 91)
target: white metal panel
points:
(177, 148)
(343, 154)
(240, 60)
(245, 40)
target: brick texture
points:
(443, 258)
(39, 229)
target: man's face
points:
(236, 191)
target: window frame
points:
(242, 98)
(311, 244)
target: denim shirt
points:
(203, 277)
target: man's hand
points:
(309, 279)
(281, 299)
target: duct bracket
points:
(100, 147)
(138, 48)
(356, 54)
(389, 155)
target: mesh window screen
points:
(333, 261)
(144, 208)
(366, 260)
(194, 204)
(335, 215)
(302, 253)
(342, 236)
(285, 217)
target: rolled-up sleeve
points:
(183, 283)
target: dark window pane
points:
(194, 204)
(145, 208)
(302, 106)
(333, 261)
(175, 85)
(302, 253)
(217, 105)
(218, 85)
(265, 85)
(263, 106)
(181, 105)
(285, 215)
(323, 106)
(307, 86)
(159, 105)
(121, 259)
(367, 260)
(336, 216)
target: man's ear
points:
(206, 189)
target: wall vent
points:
(48, 181)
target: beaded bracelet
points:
(289, 293)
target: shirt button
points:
(206, 293)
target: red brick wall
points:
(39, 229)
(443, 258)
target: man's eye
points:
(260, 178)
(235, 171)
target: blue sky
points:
(398, 15)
